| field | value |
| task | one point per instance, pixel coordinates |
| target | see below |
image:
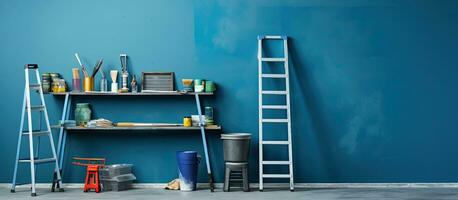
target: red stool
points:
(92, 172)
(92, 178)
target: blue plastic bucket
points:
(188, 164)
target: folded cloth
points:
(100, 123)
(173, 185)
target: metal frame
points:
(262, 92)
(63, 138)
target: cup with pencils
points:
(88, 83)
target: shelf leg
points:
(62, 138)
(204, 142)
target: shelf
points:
(158, 128)
(132, 94)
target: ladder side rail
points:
(13, 184)
(30, 130)
(260, 139)
(288, 102)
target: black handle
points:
(31, 66)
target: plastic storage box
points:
(111, 171)
(118, 183)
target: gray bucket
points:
(236, 146)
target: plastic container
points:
(236, 147)
(111, 171)
(118, 183)
(188, 164)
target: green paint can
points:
(210, 86)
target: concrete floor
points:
(299, 194)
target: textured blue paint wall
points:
(374, 82)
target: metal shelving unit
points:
(68, 105)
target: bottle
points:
(103, 85)
(133, 84)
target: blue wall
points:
(374, 82)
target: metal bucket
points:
(236, 146)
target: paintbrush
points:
(97, 67)
(114, 75)
(82, 66)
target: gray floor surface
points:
(274, 194)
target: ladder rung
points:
(279, 92)
(275, 120)
(271, 162)
(276, 176)
(275, 37)
(35, 86)
(276, 142)
(36, 133)
(273, 75)
(274, 107)
(38, 161)
(36, 108)
(273, 59)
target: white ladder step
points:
(273, 75)
(274, 107)
(34, 86)
(271, 162)
(274, 37)
(276, 176)
(36, 108)
(37, 133)
(276, 142)
(275, 120)
(278, 92)
(273, 59)
(39, 161)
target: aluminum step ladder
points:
(34, 158)
(286, 107)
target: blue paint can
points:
(188, 164)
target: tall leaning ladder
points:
(34, 158)
(286, 107)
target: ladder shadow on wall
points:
(317, 120)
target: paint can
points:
(210, 86)
(198, 85)
(187, 122)
(188, 164)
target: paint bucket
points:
(188, 164)
(187, 122)
(236, 147)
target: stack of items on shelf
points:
(198, 85)
(117, 177)
(151, 82)
(53, 82)
(100, 123)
